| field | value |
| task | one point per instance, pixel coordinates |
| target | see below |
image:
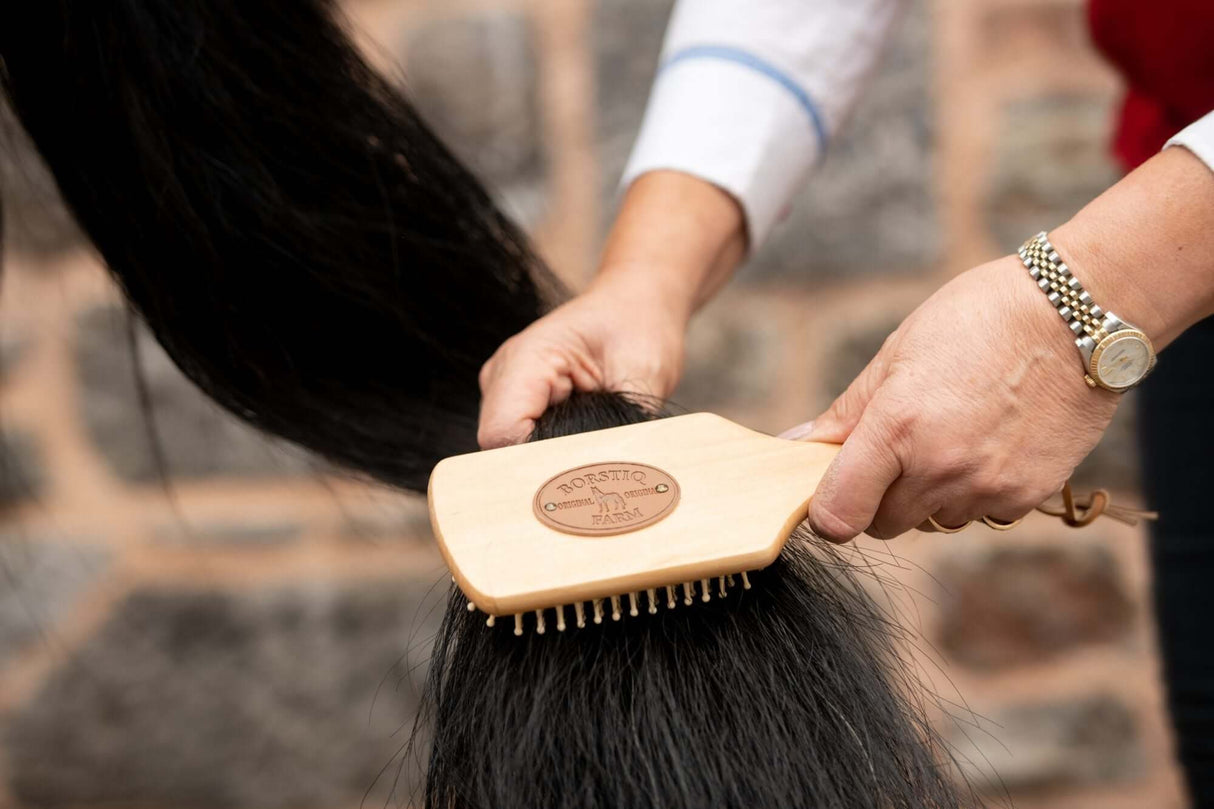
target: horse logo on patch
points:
(604, 499)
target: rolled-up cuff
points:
(1198, 138)
(734, 126)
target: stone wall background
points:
(253, 634)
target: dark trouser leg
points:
(1176, 418)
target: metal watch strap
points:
(1072, 301)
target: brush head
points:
(628, 509)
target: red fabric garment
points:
(1165, 51)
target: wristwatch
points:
(1116, 355)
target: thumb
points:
(849, 494)
(837, 423)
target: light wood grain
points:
(742, 493)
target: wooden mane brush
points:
(651, 512)
(654, 513)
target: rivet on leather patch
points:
(604, 499)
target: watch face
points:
(1122, 360)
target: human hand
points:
(975, 406)
(617, 336)
(674, 243)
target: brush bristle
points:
(726, 585)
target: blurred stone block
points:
(1050, 159)
(35, 218)
(401, 518)
(475, 80)
(300, 697)
(41, 579)
(1052, 744)
(198, 438)
(851, 355)
(236, 533)
(22, 475)
(733, 356)
(1010, 606)
(1034, 30)
(627, 41)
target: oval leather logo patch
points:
(603, 499)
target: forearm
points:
(677, 238)
(1145, 248)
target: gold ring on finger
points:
(945, 529)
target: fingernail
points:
(798, 433)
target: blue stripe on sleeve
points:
(747, 59)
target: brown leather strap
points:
(1083, 510)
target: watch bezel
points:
(1107, 342)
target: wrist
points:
(646, 289)
(677, 237)
(1104, 266)
(1143, 248)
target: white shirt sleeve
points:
(748, 94)
(1198, 138)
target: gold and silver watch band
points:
(1072, 301)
